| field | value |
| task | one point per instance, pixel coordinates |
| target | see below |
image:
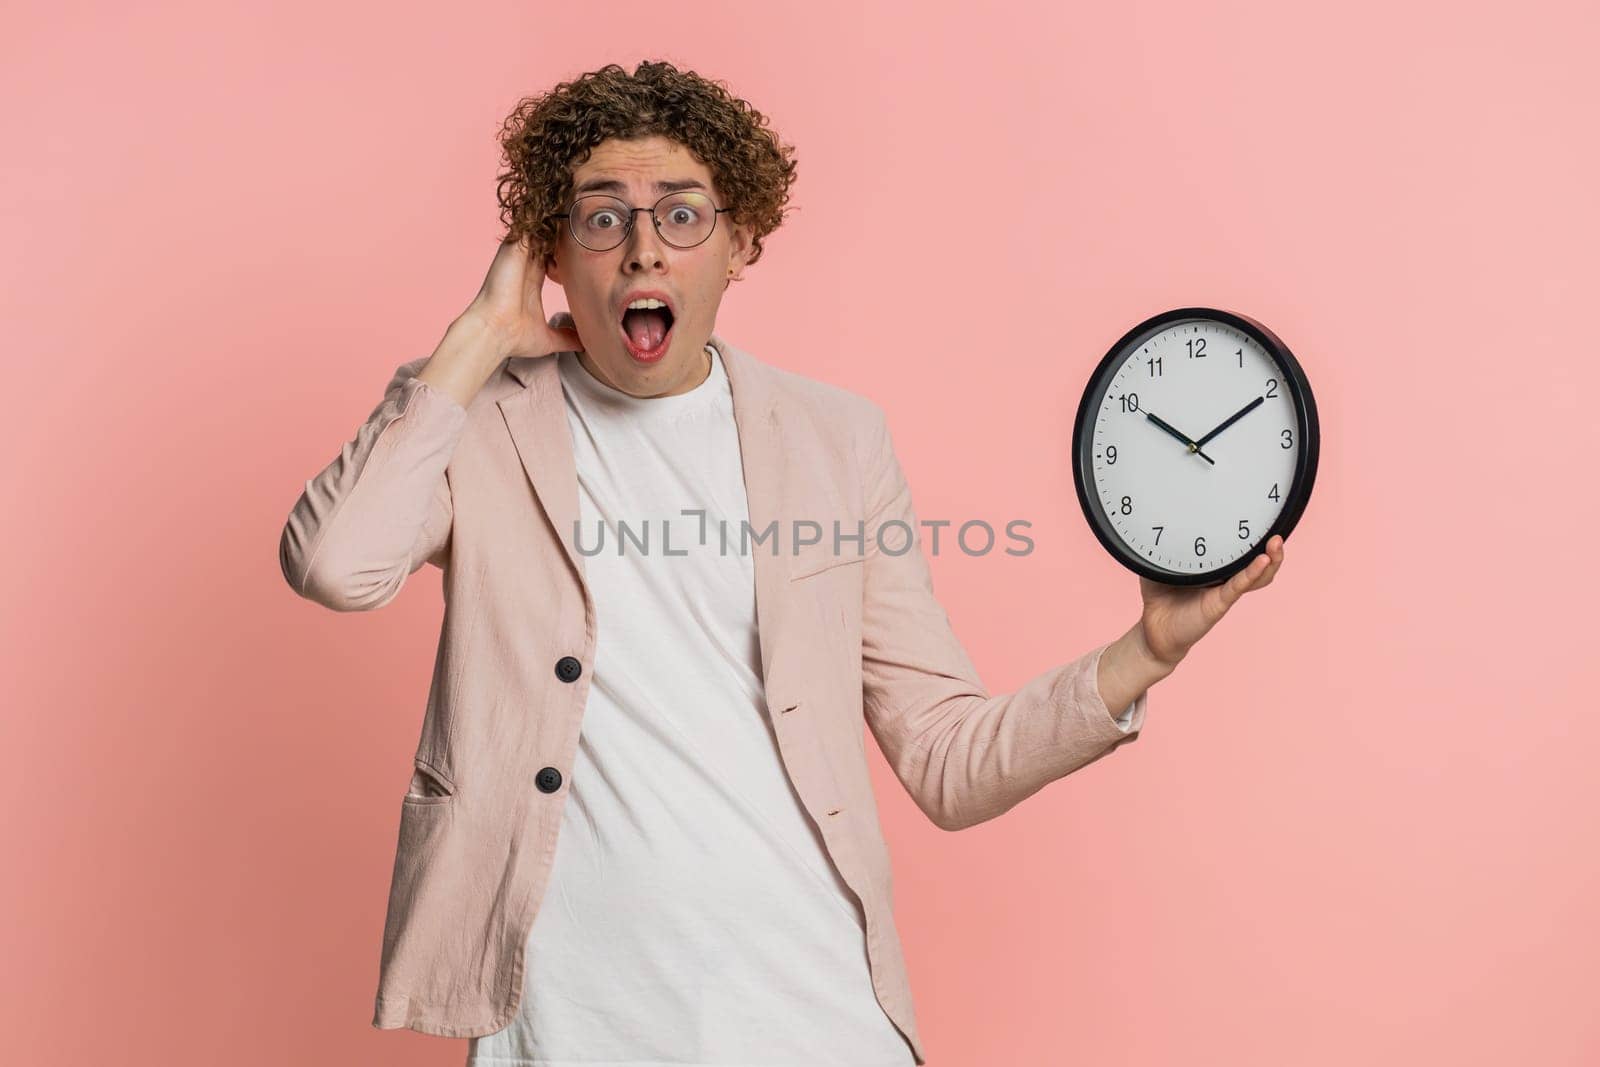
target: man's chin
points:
(666, 374)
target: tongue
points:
(645, 327)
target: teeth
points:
(648, 302)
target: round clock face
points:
(1196, 441)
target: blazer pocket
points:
(428, 785)
(814, 559)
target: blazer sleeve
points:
(382, 507)
(963, 754)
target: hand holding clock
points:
(1176, 617)
(1173, 621)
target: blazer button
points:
(548, 779)
(568, 668)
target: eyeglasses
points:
(601, 223)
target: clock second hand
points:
(1180, 435)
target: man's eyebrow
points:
(612, 185)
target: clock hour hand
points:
(1231, 419)
(1180, 435)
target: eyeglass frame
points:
(627, 229)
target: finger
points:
(1234, 588)
(1216, 602)
(1271, 572)
(1248, 577)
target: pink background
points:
(1360, 826)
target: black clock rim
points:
(1305, 471)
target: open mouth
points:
(647, 331)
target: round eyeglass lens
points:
(685, 219)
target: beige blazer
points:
(848, 635)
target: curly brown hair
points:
(549, 134)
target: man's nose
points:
(644, 248)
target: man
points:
(640, 825)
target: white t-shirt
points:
(692, 915)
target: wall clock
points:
(1196, 440)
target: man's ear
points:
(740, 247)
(552, 269)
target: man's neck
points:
(594, 372)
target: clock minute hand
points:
(1180, 435)
(1231, 419)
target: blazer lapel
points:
(537, 419)
(766, 488)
